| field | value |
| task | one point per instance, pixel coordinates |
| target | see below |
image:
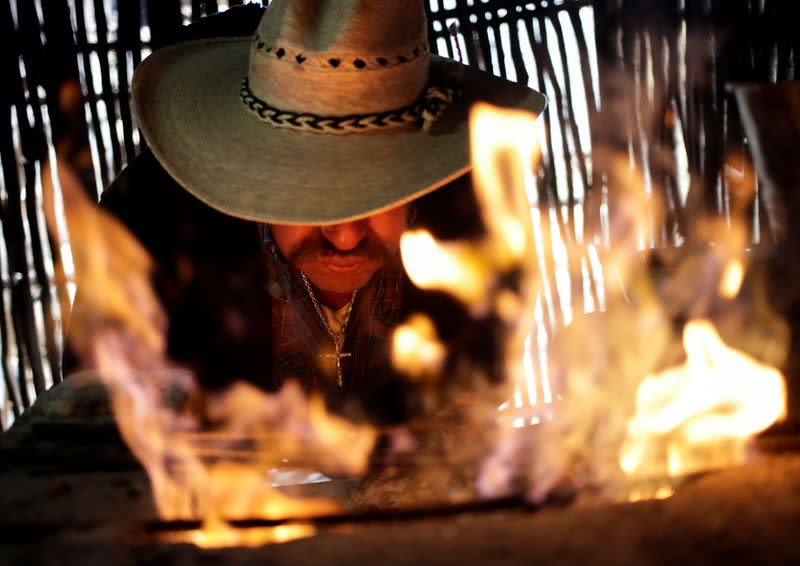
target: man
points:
(318, 132)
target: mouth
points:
(344, 264)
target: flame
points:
(699, 414)
(416, 349)
(732, 279)
(695, 417)
(494, 276)
(208, 455)
(456, 268)
(504, 147)
(219, 534)
(222, 473)
(219, 471)
(504, 150)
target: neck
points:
(333, 300)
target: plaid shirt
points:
(300, 342)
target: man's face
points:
(340, 258)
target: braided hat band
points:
(424, 111)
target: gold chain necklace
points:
(337, 338)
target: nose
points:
(346, 236)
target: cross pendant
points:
(338, 354)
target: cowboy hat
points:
(332, 111)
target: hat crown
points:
(368, 27)
(340, 57)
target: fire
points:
(220, 472)
(609, 427)
(416, 349)
(732, 279)
(208, 455)
(493, 275)
(456, 268)
(218, 534)
(698, 415)
(503, 151)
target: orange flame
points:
(732, 279)
(459, 269)
(494, 274)
(699, 414)
(416, 349)
(208, 455)
(504, 148)
(218, 534)
(222, 474)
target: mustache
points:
(318, 248)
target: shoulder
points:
(162, 214)
(141, 181)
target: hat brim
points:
(186, 98)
